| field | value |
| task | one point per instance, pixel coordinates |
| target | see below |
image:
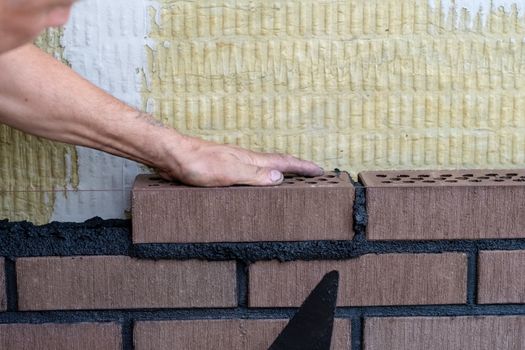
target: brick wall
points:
(427, 259)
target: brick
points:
(222, 334)
(445, 333)
(3, 297)
(500, 277)
(301, 208)
(467, 204)
(117, 282)
(388, 279)
(80, 336)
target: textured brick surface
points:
(468, 204)
(106, 282)
(445, 333)
(389, 279)
(81, 336)
(223, 334)
(299, 209)
(3, 300)
(501, 277)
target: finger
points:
(257, 176)
(290, 164)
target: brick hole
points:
(300, 179)
(474, 180)
(461, 178)
(446, 175)
(289, 182)
(403, 175)
(498, 180)
(491, 174)
(289, 176)
(519, 180)
(386, 182)
(468, 175)
(408, 182)
(483, 177)
(380, 175)
(451, 180)
(311, 182)
(423, 175)
(336, 182)
(512, 174)
(429, 181)
(395, 179)
(415, 178)
(330, 176)
(323, 179)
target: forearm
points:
(44, 97)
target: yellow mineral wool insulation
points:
(31, 167)
(354, 84)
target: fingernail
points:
(275, 175)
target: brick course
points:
(299, 209)
(80, 336)
(116, 282)
(501, 277)
(388, 279)
(445, 333)
(221, 334)
(467, 204)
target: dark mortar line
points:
(127, 334)
(11, 284)
(472, 272)
(357, 330)
(127, 316)
(314, 250)
(242, 284)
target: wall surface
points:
(353, 84)
(436, 282)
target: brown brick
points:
(445, 333)
(388, 279)
(501, 279)
(80, 336)
(117, 282)
(3, 298)
(300, 209)
(488, 204)
(222, 334)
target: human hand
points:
(202, 163)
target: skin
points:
(72, 110)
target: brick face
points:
(435, 207)
(299, 209)
(3, 298)
(445, 333)
(81, 336)
(501, 278)
(116, 282)
(221, 334)
(388, 279)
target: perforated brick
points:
(445, 333)
(79, 336)
(318, 208)
(386, 279)
(117, 282)
(221, 334)
(425, 205)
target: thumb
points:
(259, 176)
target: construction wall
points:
(353, 84)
